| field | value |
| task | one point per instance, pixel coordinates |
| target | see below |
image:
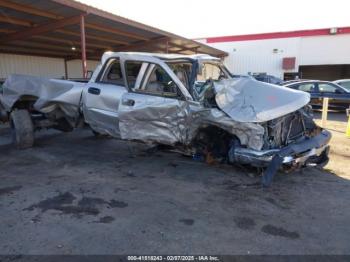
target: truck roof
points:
(161, 56)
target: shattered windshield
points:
(207, 74)
(200, 81)
(211, 71)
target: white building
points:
(42, 66)
(311, 54)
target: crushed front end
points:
(291, 141)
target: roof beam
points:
(159, 40)
(15, 21)
(40, 29)
(34, 11)
(113, 30)
(28, 9)
(194, 50)
(94, 37)
(184, 48)
(46, 46)
(25, 50)
(71, 43)
(6, 31)
(25, 23)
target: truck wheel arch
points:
(24, 102)
(215, 138)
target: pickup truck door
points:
(154, 108)
(101, 99)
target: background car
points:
(268, 79)
(339, 96)
(344, 83)
(295, 81)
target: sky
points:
(208, 18)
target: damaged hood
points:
(248, 100)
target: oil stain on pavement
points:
(86, 206)
(186, 221)
(279, 231)
(9, 190)
(245, 223)
(106, 220)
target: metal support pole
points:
(167, 46)
(325, 112)
(65, 69)
(348, 126)
(83, 45)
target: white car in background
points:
(343, 83)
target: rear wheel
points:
(22, 129)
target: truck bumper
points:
(311, 151)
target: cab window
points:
(182, 70)
(135, 71)
(158, 82)
(113, 73)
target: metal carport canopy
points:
(72, 30)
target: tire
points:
(22, 129)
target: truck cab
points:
(129, 82)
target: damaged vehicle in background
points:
(189, 102)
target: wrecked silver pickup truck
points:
(192, 103)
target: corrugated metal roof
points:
(104, 31)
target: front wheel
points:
(22, 129)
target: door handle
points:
(94, 90)
(128, 102)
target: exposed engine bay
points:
(289, 129)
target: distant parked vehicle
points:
(295, 81)
(344, 83)
(268, 79)
(339, 96)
